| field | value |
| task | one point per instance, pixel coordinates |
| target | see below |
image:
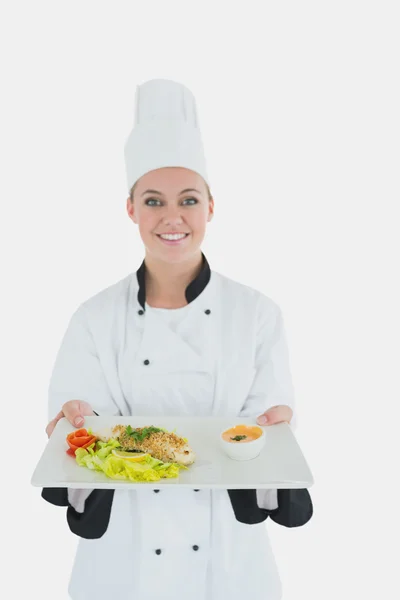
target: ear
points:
(130, 209)
(211, 209)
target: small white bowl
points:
(243, 450)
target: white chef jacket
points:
(223, 354)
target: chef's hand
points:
(74, 411)
(276, 414)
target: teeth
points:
(173, 236)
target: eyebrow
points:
(160, 193)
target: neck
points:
(166, 282)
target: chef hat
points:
(166, 131)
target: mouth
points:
(172, 239)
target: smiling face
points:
(171, 206)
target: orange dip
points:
(237, 432)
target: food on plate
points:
(242, 442)
(124, 456)
(242, 434)
(79, 439)
(165, 446)
(133, 456)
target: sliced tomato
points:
(79, 439)
(77, 433)
(81, 433)
(73, 447)
(81, 442)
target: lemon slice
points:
(132, 456)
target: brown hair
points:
(207, 186)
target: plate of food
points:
(201, 452)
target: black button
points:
(146, 362)
(156, 491)
(208, 311)
(196, 490)
(140, 312)
(158, 551)
(195, 547)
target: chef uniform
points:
(222, 354)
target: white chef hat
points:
(166, 131)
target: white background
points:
(299, 110)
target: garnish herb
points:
(237, 438)
(140, 435)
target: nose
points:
(172, 216)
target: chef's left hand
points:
(276, 414)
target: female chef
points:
(173, 338)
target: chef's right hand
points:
(74, 411)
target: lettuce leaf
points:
(99, 457)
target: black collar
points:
(193, 290)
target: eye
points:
(149, 201)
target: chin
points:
(172, 255)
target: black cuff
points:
(245, 507)
(57, 496)
(93, 522)
(295, 508)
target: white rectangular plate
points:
(280, 464)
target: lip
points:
(173, 242)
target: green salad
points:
(99, 457)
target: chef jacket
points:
(222, 354)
